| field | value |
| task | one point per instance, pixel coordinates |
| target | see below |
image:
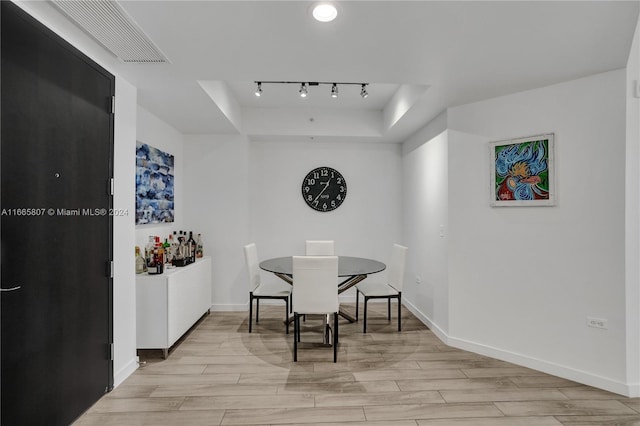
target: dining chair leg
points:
(286, 313)
(250, 311)
(399, 311)
(257, 310)
(296, 326)
(357, 299)
(366, 299)
(335, 337)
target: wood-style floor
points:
(219, 374)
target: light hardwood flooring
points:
(219, 374)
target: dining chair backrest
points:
(396, 266)
(319, 248)
(251, 258)
(315, 284)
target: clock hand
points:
(323, 189)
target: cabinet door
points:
(189, 297)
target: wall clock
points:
(324, 189)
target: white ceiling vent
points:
(110, 25)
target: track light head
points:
(363, 92)
(259, 89)
(334, 90)
(303, 90)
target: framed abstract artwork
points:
(522, 171)
(154, 185)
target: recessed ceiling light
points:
(325, 11)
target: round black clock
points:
(324, 189)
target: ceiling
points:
(418, 57)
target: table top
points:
(347, 266)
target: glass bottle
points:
(192, 248)
(199, 246)
(165, 248)
(158, 254)
(139, 262)
(148, 253)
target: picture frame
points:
(522, 171)
(154, 185)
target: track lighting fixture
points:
(304, 87)
(363, 91)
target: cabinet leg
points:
(165, 353)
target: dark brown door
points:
(56, 163)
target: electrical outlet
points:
(418, 279)
(597, 322)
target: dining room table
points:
(351, 270)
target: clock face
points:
(324, 189)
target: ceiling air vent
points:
(110, 25)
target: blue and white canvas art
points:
(154, 185)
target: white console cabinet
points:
(167, 305)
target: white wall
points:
(426, 227)
(241, 192)
(124, 294)
(155, 132)
(366, 224)
(632, 223)
(572, 254)
(217, 205)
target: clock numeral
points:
(315, 203)
(324, 172)
(311, 182)
(333, 203)
(341, 188)
(316, 175)
(306, 189)
(339, 197)
(339, 181)
(324, 206)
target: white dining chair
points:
(263, 290)
(319, 248)
(315, 291)
(391, 289)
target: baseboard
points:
(554, 369)
(440, 334)
(231, 307)
(122, 374)
(565, 372)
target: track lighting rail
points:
(305, 84)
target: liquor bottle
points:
(139, 262)
(148, 253)
(158, 256)
(165, 247)
(181, 251)
(192, 247)
(175, 249)
(199, 246)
